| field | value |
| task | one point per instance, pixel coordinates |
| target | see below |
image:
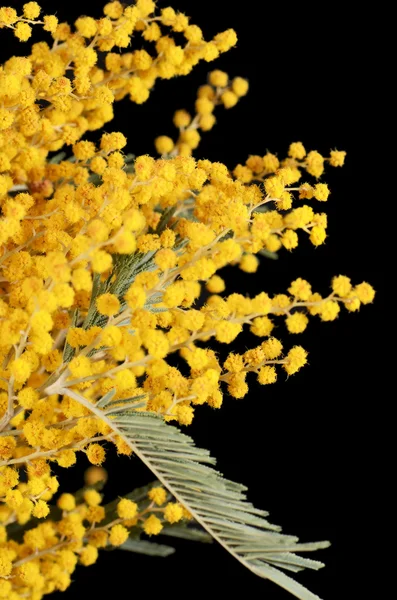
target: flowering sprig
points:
(103, 261)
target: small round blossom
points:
(66, 502)
(164, 144)
(41, 509)
(158, 495)
(118, 535)
(126, 509)
(297, 150)
(95, 454)
(341, 285)
(365, 292)
(152, 525)
(337, 158)
(31, 10)
(295, 360)
(173, 512)
(321, 192)
(301, 289)
(88, 555)
(297, 322)
(108, 304)
(267, 375)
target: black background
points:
(305, 447)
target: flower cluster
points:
(103, 263)
(45, 559)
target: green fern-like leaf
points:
(217, 504)
(145, 547)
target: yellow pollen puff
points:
(50, 23)
(101, 261)
(301, 289)
(181, 118)
(98, 165)
(204, 106)
(262, 326)
(92, 497)
(240, 86)
(108, 304)
(164, 144)
(80, 366)
(66, 502)
(126, 509)
(158, 495)
(113, 141)
(14, 499)
(297, 322)
(274, 187)
(229, 99)
(95, 454)
(218, 78)
(184, 414)
(22, 31)
(317, 235)
(118, 535)
(28, 397)
(5, 562)
(20, 369)
(352, 302)
(84, 150)
(365, 292)
(215, 284)
(306, 191)
(41, 321)
(295, 360)
(249, 263)
(237, 386)
(152, 525)
(88, 555)
(165, 258)
(315, 163)
(272, 348)
(329, 310)
(31, 10)
(289, 239)
(341, 285)
(337, 158)
(8, 15)
(173, 512)
(321, 192)
(7, 446)
(86, 26)
(111, 336)
(297, 150)
(41, 509)
(267, 375)
(234, 363)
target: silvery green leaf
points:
(57, 158)
(187, 533)
(218, 505)
(118, 406)
(145, 547)
(165, 218)
(104, 401)
(262, 208)
(268, 254)
(68, 351)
